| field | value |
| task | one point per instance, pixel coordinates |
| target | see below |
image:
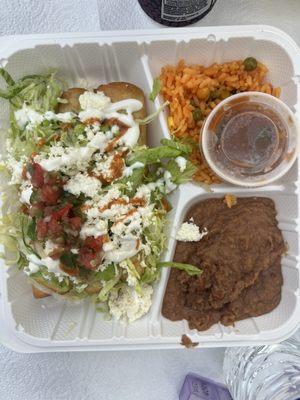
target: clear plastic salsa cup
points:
(250, 139)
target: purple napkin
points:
(196, 387)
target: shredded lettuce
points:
(193, 145)
(175, 144)
(104, 309)
(179, 177)
(22, 261)
(151, 273)
(155, 233)
(10, 225)
(154, 155)
(104, 292)
(69, 139)
(170, 148)
(50, 281)
(131, 183)
(132, 269)
(79, 288)
(9, 81)
(39, 91)
(191, 270)
(107, 274)
(25, 228)
(155, 89)
(156, 158)
(152, 116)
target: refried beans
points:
(241, 262)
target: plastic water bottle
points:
(264, 372)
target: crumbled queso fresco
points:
(190, 232)
(129, 305)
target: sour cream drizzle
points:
(100, 140)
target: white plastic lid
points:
(230, 146)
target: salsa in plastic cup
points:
(250, 139)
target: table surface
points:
(124, 375)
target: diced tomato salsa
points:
(57, 219)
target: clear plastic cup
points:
(250, 139)
(264, 372)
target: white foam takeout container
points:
(30, 325)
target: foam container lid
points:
(30, 325)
